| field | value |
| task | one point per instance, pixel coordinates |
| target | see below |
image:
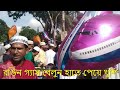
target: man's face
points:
(44, 47)
(18, 51)
(30, 47)
(35, 53)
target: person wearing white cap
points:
(35, 52)
(41, 57)
(30, 45)
(29, 55)
(50, 54)
(2, 51)
(7, 55)
(42, 43)
(19, 45)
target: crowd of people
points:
(21, 54)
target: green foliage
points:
(55, 15)
(28, 32)
(16, 14)
(3, 31)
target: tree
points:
(28, 32)
(52, 19)
(3, 31)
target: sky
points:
(27, 20)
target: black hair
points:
(34, 51)
(25, 46)
(36, 44)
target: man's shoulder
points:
(29, 56)
(50, 50)
(47, 51)
(8, 61)
(41, 51)
(29, 53)
(28, 62)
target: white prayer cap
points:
(52, 45)
(30, 42)
(36, 48)
(7, 46)
(42, 43)
(20, 39)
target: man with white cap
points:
(50, 54)
(35, 52)
(19, 45)
(41, 57)
(30, 45)
(29, 55)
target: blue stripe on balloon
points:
(66, 56)
(65, 60)
(109, 56)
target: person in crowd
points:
(29, 56)
(41, 57)
(50, 54)
(30, 45)
(35, 52)
(18, 66)
(6, 55)
(2, 51)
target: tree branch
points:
(52, 27)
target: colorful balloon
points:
(12, 31)
(94, 43)
(36, 39)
